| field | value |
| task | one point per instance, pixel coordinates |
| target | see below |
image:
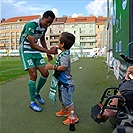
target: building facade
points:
(89, 32)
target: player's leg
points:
(28, 64)
(40, 64)
(32, 87)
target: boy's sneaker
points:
(62, 113)
(35, 107)
(67, 121)
(38, 97)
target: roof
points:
(101, 19)
(81, 19)
(60, 20)
(21, 18)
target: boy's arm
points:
(52, 67)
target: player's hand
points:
(54, 50)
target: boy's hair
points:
(68, 39)
(49, 14)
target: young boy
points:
(65, 81)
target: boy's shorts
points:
(65, 94)
(30, 60)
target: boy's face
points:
(59, 43)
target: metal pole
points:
(108, 45)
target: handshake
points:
(53, 50)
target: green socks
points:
(41, 82)
(32, 86)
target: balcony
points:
(87, 34)
(92, 40)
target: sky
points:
(73, 8)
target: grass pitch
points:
(90, 82)
(11, 68)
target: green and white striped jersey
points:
(31, 28)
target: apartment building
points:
(84, 30)
(54, 31)
(101, 37)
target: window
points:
(83, 25)
(82, 31)
(7, 34)
(12, 40)
(91, 44)
(2, 34)
(99, 46)
(61, 26)
(53, 26)
(2, 28)
(7, 27)
(91, 25)
(99, 33)
(18, 26)
(99, 39)
(17, 40)
(2, 41)
(53, 44)
(12, 33)
(7, 41)
(17, 33)
(12, 26)
(91, 31)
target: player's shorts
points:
(30, 60)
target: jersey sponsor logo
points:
(31, 30)
(42, 61)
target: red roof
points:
(21, 18)
(81, 19)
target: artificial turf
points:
(90, 82)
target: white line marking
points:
(10, 69)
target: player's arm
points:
(30, 31)
(37, 47)
(43, 43)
